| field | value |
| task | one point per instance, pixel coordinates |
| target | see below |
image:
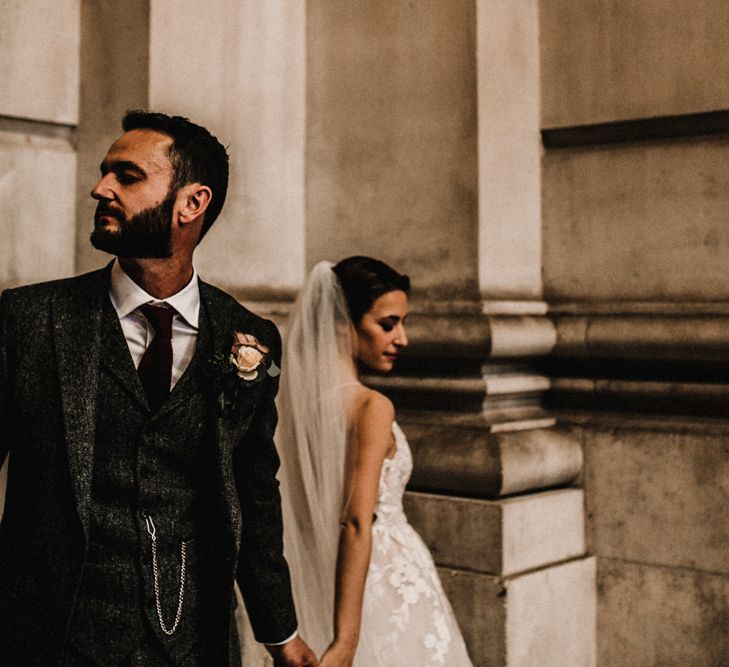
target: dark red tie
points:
(155, 368)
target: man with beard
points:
(137, 406)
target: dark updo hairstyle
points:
(364, 279)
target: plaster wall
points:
(39, 60)
(659, 496)
(655, 498)
(245, 81)
(114, 74)
(38, 231)
(620, 59)
(391, 163)
(652, 615)
(642, 222)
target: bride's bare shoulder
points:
(370, 409)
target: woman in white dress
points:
(366, 588)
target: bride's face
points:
(381, 332)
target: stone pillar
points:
(424, 150)
(238, 67)
(39, 83)
(114, 66)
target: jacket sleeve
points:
(263, 575)
(4, 378)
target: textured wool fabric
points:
(51, 358)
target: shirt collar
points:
(127, 296)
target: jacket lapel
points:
(115, 355)
(225, 433)
(76, 320)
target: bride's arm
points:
(372, 438)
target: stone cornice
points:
(643, 336)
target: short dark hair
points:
(196, 156)
(364, 279)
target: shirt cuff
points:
(285, 641)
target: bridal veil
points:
(317, 381)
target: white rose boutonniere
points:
(251, 359)
(248, 363)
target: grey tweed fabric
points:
(51, 349)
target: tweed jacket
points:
(50, 342)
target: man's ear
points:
(194, 199)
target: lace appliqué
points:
(406, 602)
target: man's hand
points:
(293, 654)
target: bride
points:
(366, 589)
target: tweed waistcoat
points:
(146, 465)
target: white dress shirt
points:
(127, 296)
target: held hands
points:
(337, 655)
(293, 654)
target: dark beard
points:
(146, 235)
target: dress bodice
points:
(393, 480)
(406, 617)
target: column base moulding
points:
(456, 456)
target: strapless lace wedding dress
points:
(407, 620)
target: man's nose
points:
(102, 189)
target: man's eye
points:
(126, 177)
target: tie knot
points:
(160, 318)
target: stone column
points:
(39, 99)
(424, 150)
(114, 70)
(238, 67)
(39, 83)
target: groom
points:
(142, 468)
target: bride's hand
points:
(337, 655)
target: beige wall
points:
(605, 60)
(642, 222)
(636, 259)
(39, 84)
(114, 76)
(38, 230)
(246, 82)
(39, 60)
(391, 165)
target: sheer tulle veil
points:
(317, 382)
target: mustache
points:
(102, 209)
